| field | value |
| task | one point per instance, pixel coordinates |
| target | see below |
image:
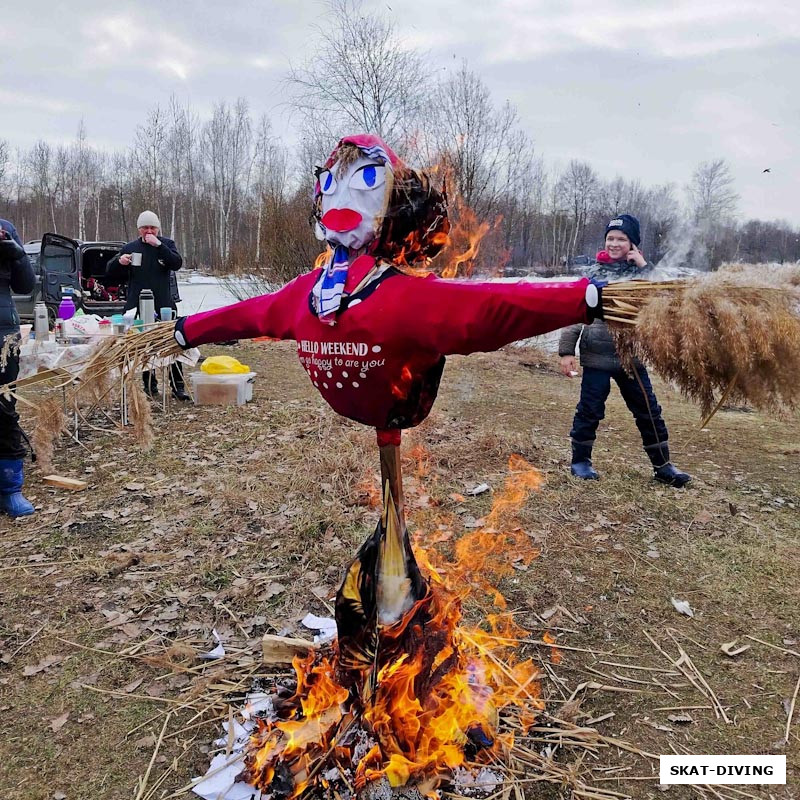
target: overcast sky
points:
(644, 89)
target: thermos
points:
(41, 324)
(147, 307)
(66, 309)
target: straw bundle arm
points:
(731, 335)
(116, 364)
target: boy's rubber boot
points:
(664, 471)
(12, 501)
(671, 476)
(582, 463)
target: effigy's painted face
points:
(353, 202)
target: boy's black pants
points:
(595, 388)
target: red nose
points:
(341, 219)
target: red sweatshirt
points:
(380, 364)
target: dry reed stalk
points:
(735, 331)
(140, 415)
(10, 347)
(50, 422)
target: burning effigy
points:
(402, 690)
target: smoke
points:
(685, 253)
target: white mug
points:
(136, 259)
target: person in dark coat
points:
(16, 276)
(621, 260)
(160, 259)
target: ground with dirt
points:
(243, 519)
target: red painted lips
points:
(341, 219)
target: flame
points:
(368, 491)
(440, 686)
(323, 258)
(555, 653)
(468, 236)
(401, 388)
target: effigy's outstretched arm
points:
(266, 315)
(462, 317)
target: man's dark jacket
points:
(16, 276)
(154, 272)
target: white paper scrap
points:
(682, 607)
(325, 625)
(220, 783)
(217, 652)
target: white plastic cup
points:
(166, 314)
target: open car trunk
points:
(99, 294)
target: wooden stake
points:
(282, 649)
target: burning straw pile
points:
(428, 704)
(730, 335)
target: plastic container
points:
(221, 390)
(66, 308)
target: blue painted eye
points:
(327, 183)
(369, 177)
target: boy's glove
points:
(594, 298)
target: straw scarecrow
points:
(373, 339)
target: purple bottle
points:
(66, 308)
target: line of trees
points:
(235, 198)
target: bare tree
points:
(711, 193)
(181, 156)
(712, 202)
(478, 145)
(361, 78)
(578, 186)
(149, 158)
(227, 151)
(5, 164)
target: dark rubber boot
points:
(582, 463)
(150, 383)
(664, 471)
(12, 501)
(177, 383)
(671, 476)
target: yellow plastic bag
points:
(223, 365)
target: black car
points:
(62, 264)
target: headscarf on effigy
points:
(401, 226)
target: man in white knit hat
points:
(148, 263)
